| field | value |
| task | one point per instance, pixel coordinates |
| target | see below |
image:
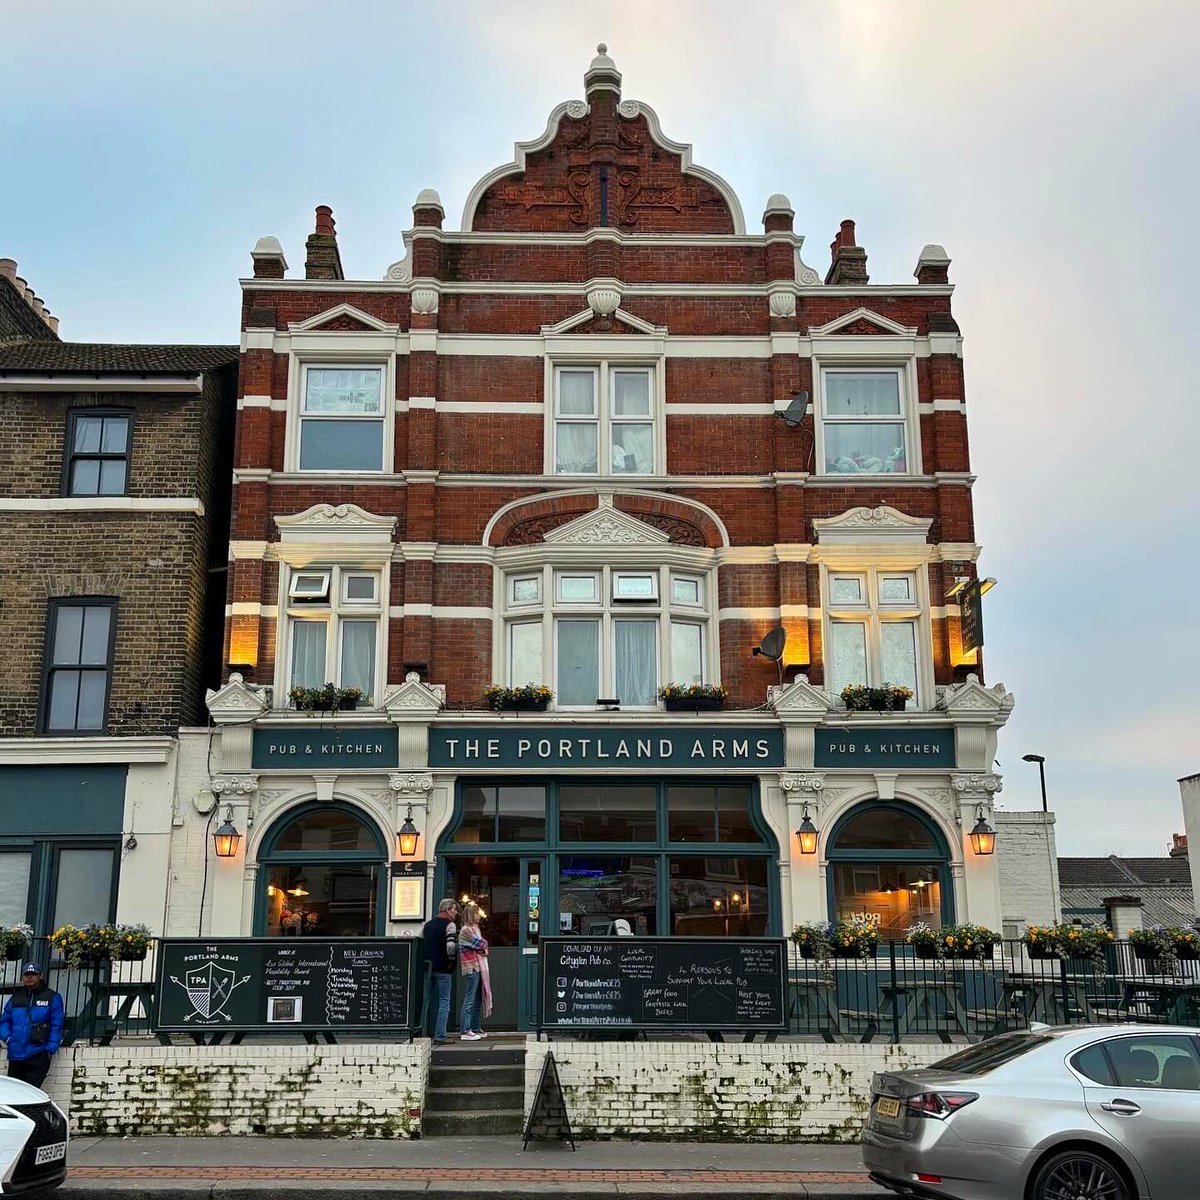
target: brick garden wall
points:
(788, 1091)
(374, 1090)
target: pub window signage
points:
(354, 747)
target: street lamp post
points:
(1041, 762)
(1040, 759)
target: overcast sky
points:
(1051, 147)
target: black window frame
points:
(70, 456)
(48, 668)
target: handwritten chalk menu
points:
(663, 983)
(298, 984)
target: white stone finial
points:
(603, 73)
(429, 198)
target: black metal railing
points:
(100, 999)
(898, 995)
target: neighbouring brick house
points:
(601, 438)
(114, 482)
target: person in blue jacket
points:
(32, 1025)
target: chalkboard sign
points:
(663, 983)
(283, 984)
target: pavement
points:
(452, 1168)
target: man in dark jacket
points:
(32, 1025)
(441, 953)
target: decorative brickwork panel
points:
(603, 169)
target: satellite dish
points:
(772, 645)
(794, 413)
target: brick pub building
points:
(114, 461)
(601, 438)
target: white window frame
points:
(905, 371)
(607, 611)
(333, 611)
(350, 360)
(873, 613)
(295, 592)
(605, 419)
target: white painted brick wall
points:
(1025, 846)
(352, 1090)
(782, 1091)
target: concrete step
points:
(472, 1123)
(470, 1076)
(474, 1099)
(477, 1054)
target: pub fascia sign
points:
(556, 746)
(352, 746)
(889, 746)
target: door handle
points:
(1123, 1108)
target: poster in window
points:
(408, 899)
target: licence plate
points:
(49, 1154)
(886, 1106)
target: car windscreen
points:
(987, 1056)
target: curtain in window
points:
(862, 395)
(358, 655)
(343, 390)
(687, 660)
(636, 661)
(308, 654)
(14, 886)
(578, 662)
(865, 447)
(576, 395)
(849, 658)
(575, 448)
(632, 449)
(525, 653)
(900, 653)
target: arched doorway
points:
(889, 863)
(323, 871)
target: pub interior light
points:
(807, 833)
(300, 887)
(226, 839)
(408, 836)
(983, 836)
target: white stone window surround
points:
(548, 563)
(874, 613)
(832, 357)
(604, 361)
(334, 610)
(332, 350)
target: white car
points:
(33, 1139)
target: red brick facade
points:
(603, 204)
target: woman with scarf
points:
(477, 985)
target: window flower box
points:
(329, 698)
(693, 697)
(889, 698)
(530, 697)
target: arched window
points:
(889, 863)
(323, 875)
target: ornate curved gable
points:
(603, 162)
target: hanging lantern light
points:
(408, 836)
(807, 833)
(300, 887)
(226, 839)
(983, 836)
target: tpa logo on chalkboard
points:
(209, 989)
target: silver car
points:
(1077, 1113)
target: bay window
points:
(864, 421)
(334, 624)
(873, 629)
(606, 632)
(604, 420)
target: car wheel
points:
(1079, 1175)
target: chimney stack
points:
(268, 259)
(324, 261)
(849, 265)
(933, 266)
